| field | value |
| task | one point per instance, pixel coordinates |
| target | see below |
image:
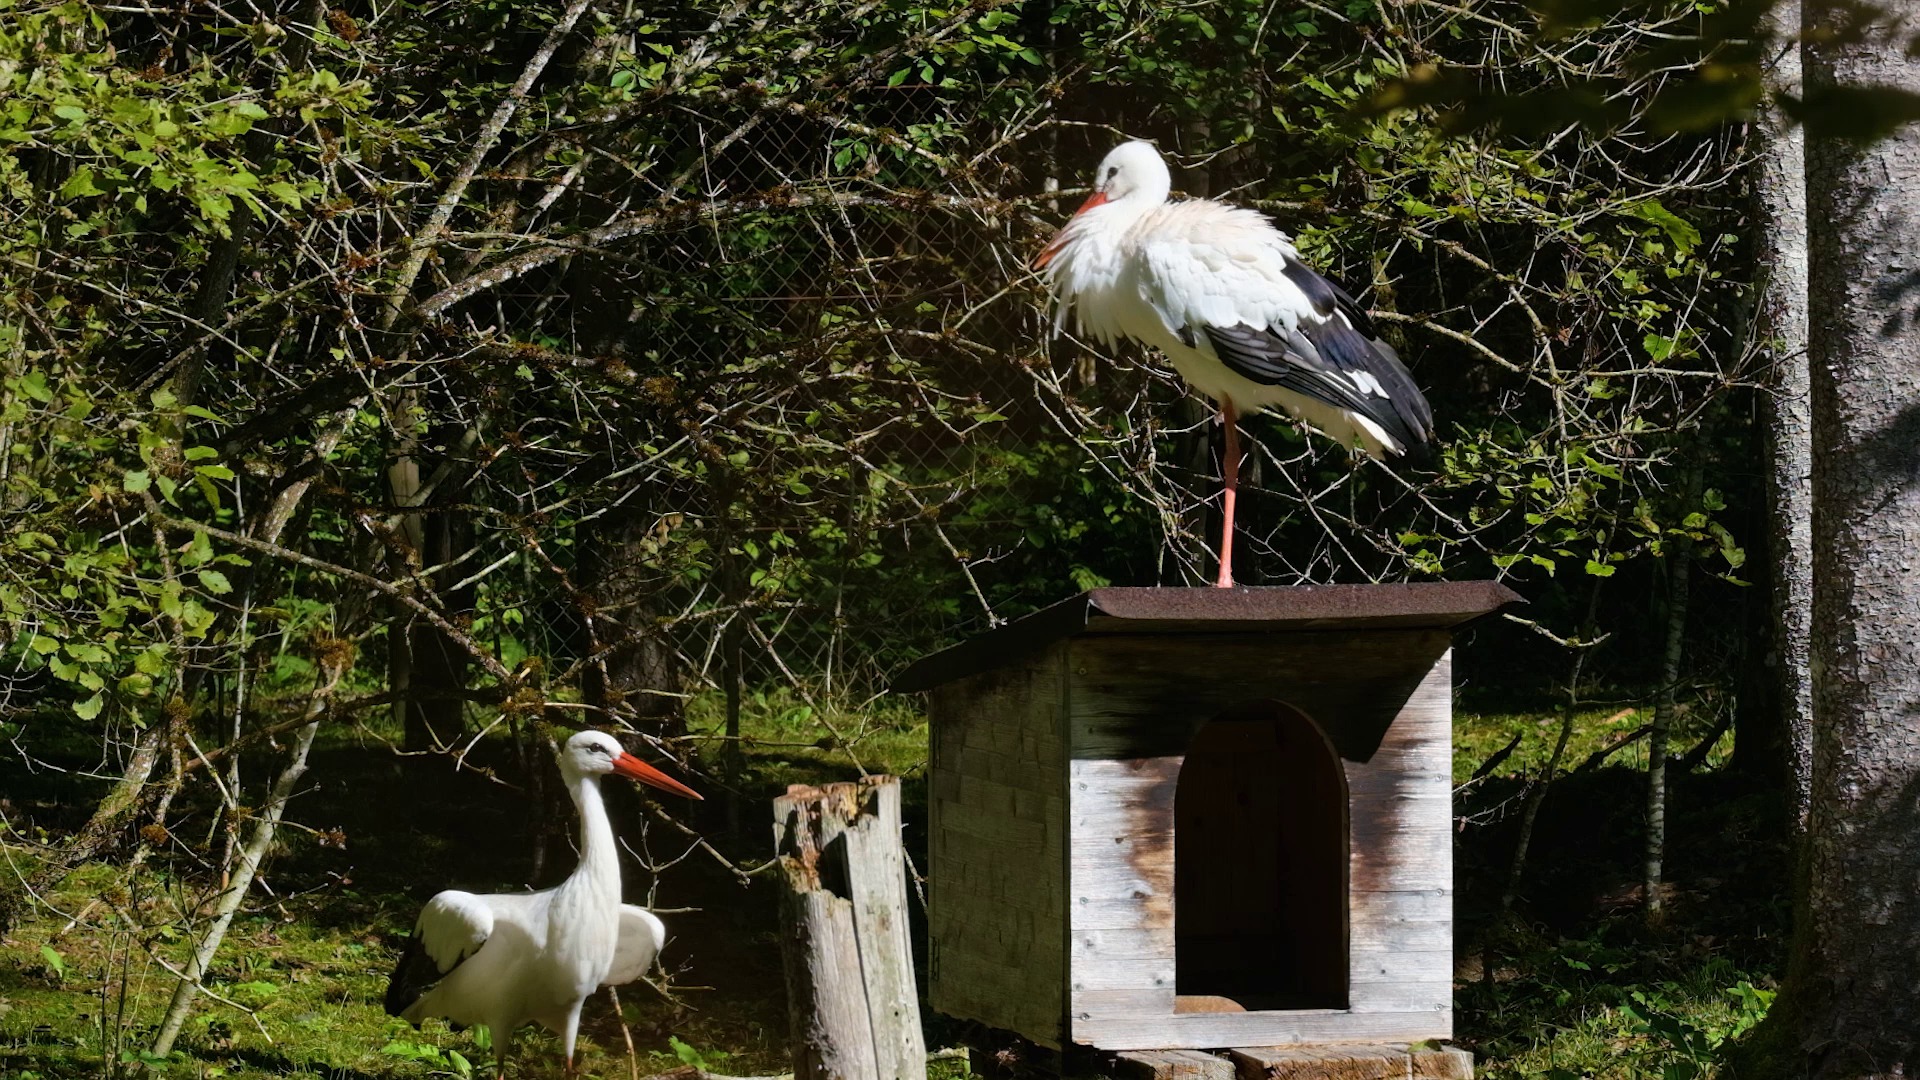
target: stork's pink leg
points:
(1230, 474)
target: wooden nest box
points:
(1172, 819)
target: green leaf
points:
(1684, 235)
(215, 581)
(199, 551)
(54, 960)
(1599, 569)
(687, 1054)
(136, 480)
(80, 184)
(34, 385)
(90, 708)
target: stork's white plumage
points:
(506, 959)
(1225, 296)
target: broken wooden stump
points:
(845, 936)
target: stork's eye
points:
(1113, 172)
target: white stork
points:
(1225, 296)
(505, 959)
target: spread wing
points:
(452, 927)
(1226, 282)
(641, 936)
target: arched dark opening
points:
(1260, 865)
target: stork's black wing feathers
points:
(413, 975)
(1350, 349)
(1319, 361)
(1321, 357)
(1328, 297)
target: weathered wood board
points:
(1362, 1062)
(1345, 1061)
(996, 893)
(1171, 1065)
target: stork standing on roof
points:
(1225, 296)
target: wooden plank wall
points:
(1384, 699)
(996, 900)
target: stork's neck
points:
(1117, 217)
(599, 860)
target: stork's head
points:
(595, 753)
(1132, 172)
(1131, 180)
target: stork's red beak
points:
(1098, 198)
(634, 769)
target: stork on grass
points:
(1225, 296)
(504, 959)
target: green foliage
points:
(705, 1061)
(56, 963)
(1693, 1046)
(439, 1059)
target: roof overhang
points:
(1438, 605)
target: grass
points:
(1575, 984)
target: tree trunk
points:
(1782, 745)
(638, 675)
(1679, 572)
(1850, 988)
(422, 660)
(336, 658)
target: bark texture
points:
(1679, 571)
(1780, 196)
(845, 936)
(638, 675)
(1851, 986)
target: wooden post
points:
(845, 936)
